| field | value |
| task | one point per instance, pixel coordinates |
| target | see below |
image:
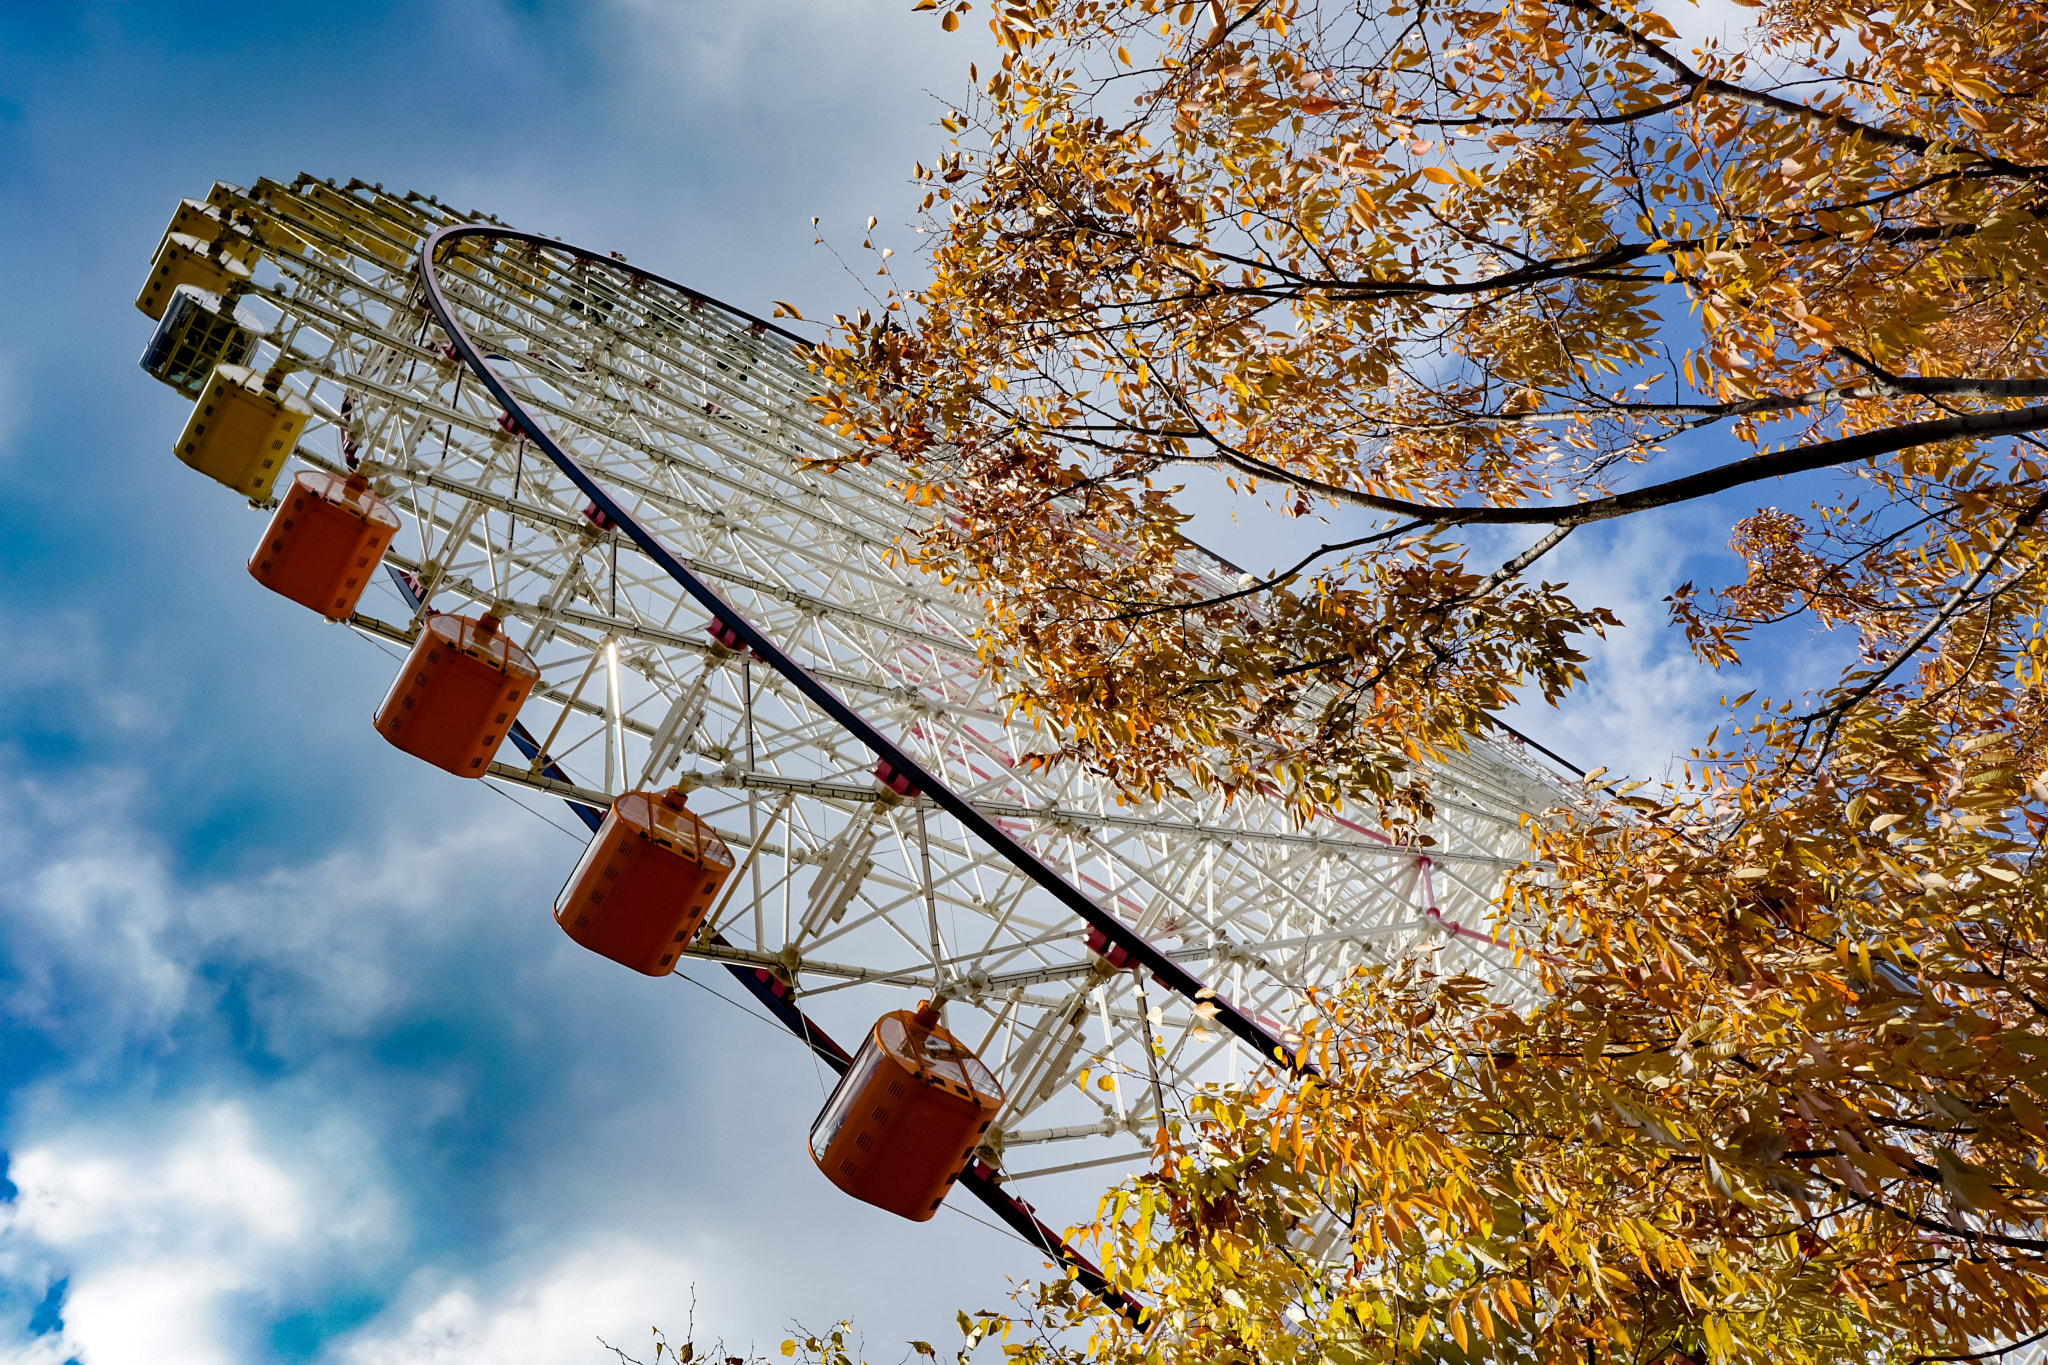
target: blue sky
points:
(295, 1067)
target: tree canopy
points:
(1468, 267)
(1477, 276)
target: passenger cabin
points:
(184, 259)
(645, 884)
(461, 689)
(207, 221)
(324, 541)
(243, 429)
(906, 1117)
(196, 333)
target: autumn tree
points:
(1463, 280)
(1466, 268)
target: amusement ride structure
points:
(593, 510)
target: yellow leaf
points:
(1438, 175)
(2027, 1112)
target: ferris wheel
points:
(592, 507)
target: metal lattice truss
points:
(695, 417)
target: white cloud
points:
(615, 1289)
(1646, 700)
(48, 1350)
(417, 1081)
(325, 948)
(873, 51)
(165, 1227)
(54, 663)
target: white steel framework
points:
(694, 418)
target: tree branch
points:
(1955, 603)
(2033, 1244)
(1700, 84)
(1985, 1355)
(1261, 585)
(1770, 465)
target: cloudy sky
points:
(295, 1067)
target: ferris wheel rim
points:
(1140, 950)
(701, 419)
(984, 1182)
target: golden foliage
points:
(1459, 265)
(1786, 1100)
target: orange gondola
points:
(324, 541)
(906, 1117)
(461, 687)
(645, 884)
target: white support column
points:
(614, 724)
